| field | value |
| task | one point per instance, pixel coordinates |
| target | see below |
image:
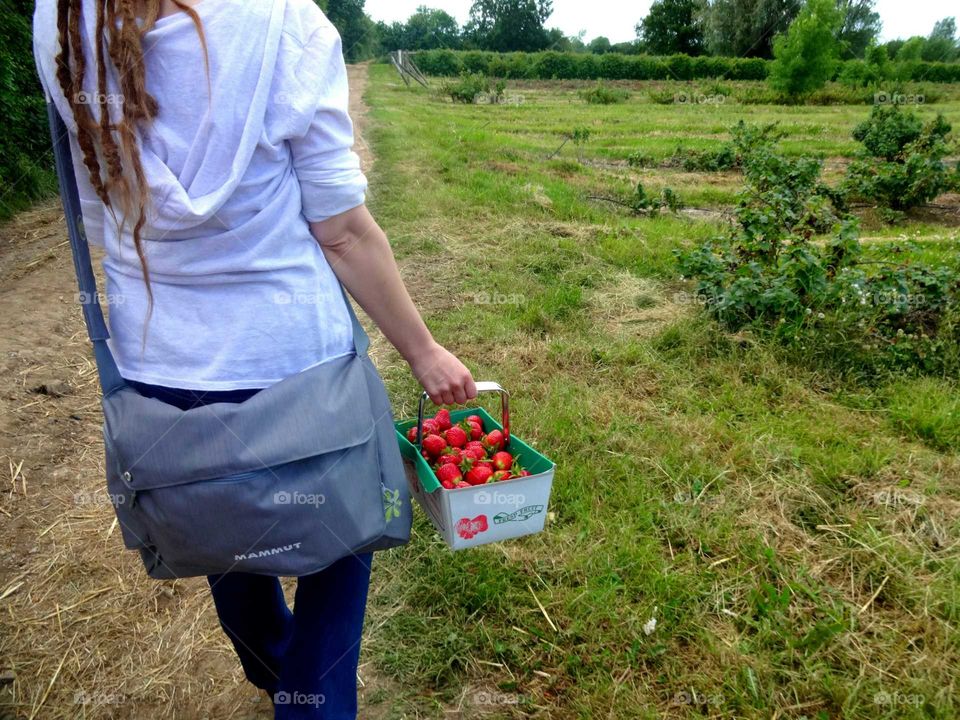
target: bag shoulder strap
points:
(110, 377)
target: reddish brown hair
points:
(109, 148)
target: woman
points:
(212, 149)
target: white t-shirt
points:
(243, 295)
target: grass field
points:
(794, 535)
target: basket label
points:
(521, 515)
(468, 529)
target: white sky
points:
(616, 18)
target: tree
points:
(599, 45)
(357, 30)
(508, 25)
(806, 57)
(861, 27)
(429, 29)
(941, 46)
(746, 28)
(673, 26)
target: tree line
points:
(734, 28)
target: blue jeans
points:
(306, 659)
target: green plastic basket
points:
(482, 514)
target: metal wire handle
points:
(482, 387)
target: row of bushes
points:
(582, 66)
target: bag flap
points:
(324, 409)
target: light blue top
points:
(243, 295)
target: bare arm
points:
(360, 255)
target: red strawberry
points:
(525, 473)
(475, 419)
(479, 475)
(451, 456)
(442, 418)
(474, 453)
(501, 475)
(494, 439)
(476, 444)
(449, 474)
(456, 437)
(430, 427)
(447, 485)
(502, 460)
(433, 445)
(473, 429)
(463, 484)
(412, 434)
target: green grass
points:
(793, 535)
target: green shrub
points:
(554, 66)
(818, 298)
(441, 63)
(470, 87)
(642, 203)
(902, 163)
(26, 167)
(475, 61)
(604, 95)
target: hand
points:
(446, 379)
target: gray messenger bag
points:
(300, 475)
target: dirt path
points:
(83, 634)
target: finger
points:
(460, 394)
(471, 388)
(436, 399)
(448, 398)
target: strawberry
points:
(476, 431)
(477, 444)
(442, 418)
(433, 445)
(501, 475)
(502, 460)
(479, 475)
(463, 484)
(525, 473)
(430, 427)
(451, 456)
(449, 474)
(412, 434)
(494, 439)
(456, 437)
(447, 485)
(476, 419)
(474, 452)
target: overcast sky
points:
(616, 18)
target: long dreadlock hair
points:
(109, 147)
